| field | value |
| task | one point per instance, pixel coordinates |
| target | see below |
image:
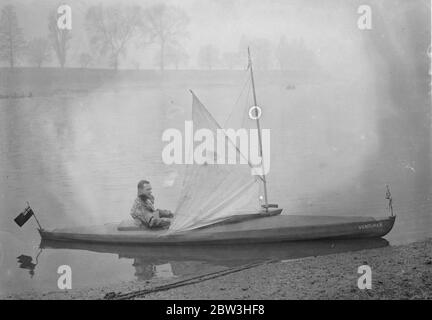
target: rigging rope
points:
(246, 82)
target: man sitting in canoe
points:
(144, 212)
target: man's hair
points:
(142, 183)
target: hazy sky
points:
(329, 28)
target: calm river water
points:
(77, 159)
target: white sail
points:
(214, 192)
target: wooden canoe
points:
(277, 228)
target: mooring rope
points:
(185, 282)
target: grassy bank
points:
(25, 82)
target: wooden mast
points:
(259, 130)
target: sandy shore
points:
(399, 272)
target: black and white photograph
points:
(235, 150)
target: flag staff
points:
(390, 200)
(34, 215)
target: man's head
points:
(144, 189)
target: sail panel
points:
(213, 192)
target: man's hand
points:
(170, 214)
(165, 213)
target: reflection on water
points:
(179, 261)
(26, 262)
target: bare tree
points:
(175, 56)
(208, 57)
(262, 49)
(294, 55)
(282, 53)
(59, 38)
(39, 51)
(111, 29)
(166, 26)
(231, 59)
(12, 42)
(136, 64)
(84, 60)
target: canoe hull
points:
(264, 230)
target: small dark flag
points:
(24, 216)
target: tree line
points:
(113, 30)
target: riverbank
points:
(399, 272)
(26, 82)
